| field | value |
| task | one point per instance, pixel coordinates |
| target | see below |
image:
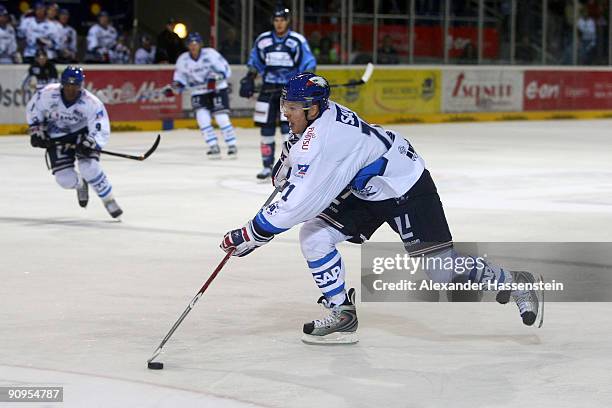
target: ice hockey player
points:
(335, 148)
(277, 56)
(39, 33)
(8, 40)
(71, 123)
(205, 73)
(101, 40)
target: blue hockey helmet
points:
(281, 11)
(73, 75)
(194, 37)
(307, 88)
(3, 11)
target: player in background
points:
(205, 73)
(71, 123)
(67, 43)
(276, 56)
(8, 40)
(101, 40)
(334, 148)
(42, 71)
(146, 53)
(39, 33)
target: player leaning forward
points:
(388, 183)
(205, 72)
(71, 123)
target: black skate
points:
(214, 152)
(264, 173)
(232, 152)
(83, 193)
(113, 208)
(529, 302)
(339, 327)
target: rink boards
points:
(134, 95)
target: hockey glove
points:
(86, 143)
(211, 81)
(245, 240)
(171, 90)
(37, 136)
(247, 86)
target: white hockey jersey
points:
(100, 39)
(67, 39)
(8, 44)
(194, 73)
(337, 150)
(60, 118)
(39, 32)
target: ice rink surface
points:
(84, 300)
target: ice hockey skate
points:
(113, 208)
(264, 173)
(339, 327)
(214, 153)
(83, 193)
(232, 152)
(529, 302)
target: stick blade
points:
(152, 149)
(368, 72)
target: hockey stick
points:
(364, 78)
(158, 365)
(362, 81)
(142, 157)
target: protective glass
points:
(290, 107)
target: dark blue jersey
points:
(277, 59)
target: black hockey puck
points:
(155, 365)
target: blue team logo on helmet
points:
(73, 75)
(194, 37)
(281, 11)
(307, 88)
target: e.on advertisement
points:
(567, 90)
(487, 90)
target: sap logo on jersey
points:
(310, 134)
(328, 276)
(302, 169)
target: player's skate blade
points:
(232, 152)
(264, 173)
(83, 194)
(113, 208)
(530, 303)
(214, 152)
(333, 338)
(339, 327)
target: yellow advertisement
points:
(389, 95)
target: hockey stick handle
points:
(123, 155)
(191, 304)
(204, 287)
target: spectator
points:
(120, 54)
(39, 33)
(525, 54)
(41, 70)
(230, 47)
(468, 54)
(169, 44)
(325, 53)
(387, 54)
(146, 53)
(8, 40)
(588, 38)
(358, 57)
(67, 44)
(101, 40)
